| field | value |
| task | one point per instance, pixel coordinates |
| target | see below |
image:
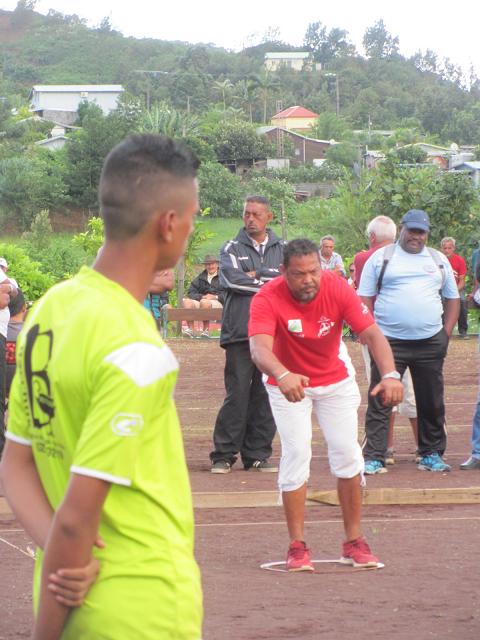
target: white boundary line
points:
(310, 522)
(14, 546)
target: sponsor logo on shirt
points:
(126, 424)
(295, 326)
(325, 326)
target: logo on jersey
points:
(38, 352)
(295, 326)
(325, 326)
(126, 424)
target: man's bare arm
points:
(290, 384)
(391, 390)
(25, 494)
(451, 308)
(72, 535)
(368, 301)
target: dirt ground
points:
(428, 588)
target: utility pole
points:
(337, 91)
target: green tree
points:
(29, 184)
(330, 127)
(220, 190)
(379, 43)
(326, 46)
(343, 153)
(88, 149)
(238, 141)
(265, 84)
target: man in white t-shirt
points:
(407, 290)
(8, 290)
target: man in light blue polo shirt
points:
(408, 310)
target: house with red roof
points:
(294, 118)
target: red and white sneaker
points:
(298, 557)
(357, 553)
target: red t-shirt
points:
(307, 337)
(458, 265)
(359, 261)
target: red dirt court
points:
(428, 588)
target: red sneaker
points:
(357, 552)
(298, 557)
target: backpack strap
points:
(387, 255)
(436, 257)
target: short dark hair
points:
(17, 303)
(260, 200)
(137, 175)
(298, 247)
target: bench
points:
(187, 315)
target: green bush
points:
(28, 273)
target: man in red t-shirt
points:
(380, 232)
(459, 268)
(295, 334)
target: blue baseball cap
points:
(416, 219)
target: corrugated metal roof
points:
(289, 55)
(295, 112)
(75, 88)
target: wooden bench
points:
(187, 315)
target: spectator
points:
(408, 309)
(204, 293)
(351, 277)
(8, 291)
(157, 297)
(245, 423)
(330, 260)
(459, 268)
(18, 310)
(381, 232)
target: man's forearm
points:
(69, 545)
(452, 311)
(24, 492)
(379, 348)
(265, 360)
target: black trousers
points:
(244, 423)
(3, 377)
(425, 361)
(463, 317)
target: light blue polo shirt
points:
(409, 305)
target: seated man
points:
(157, 297)
(204, 293)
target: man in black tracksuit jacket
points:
(244, 423)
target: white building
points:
(296, 60)
(60, 102)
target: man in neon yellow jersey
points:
(94, 444)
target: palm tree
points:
(223, 86)
(244, 94)
(264, 82)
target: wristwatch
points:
(392, 374)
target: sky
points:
(448, 29)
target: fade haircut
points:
(140, 175)
(260, 200)
(298, 247)
(383, 227)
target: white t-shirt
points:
(5, 313)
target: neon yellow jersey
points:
(93, 396)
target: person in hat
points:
(204, 293)
(404, 284)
